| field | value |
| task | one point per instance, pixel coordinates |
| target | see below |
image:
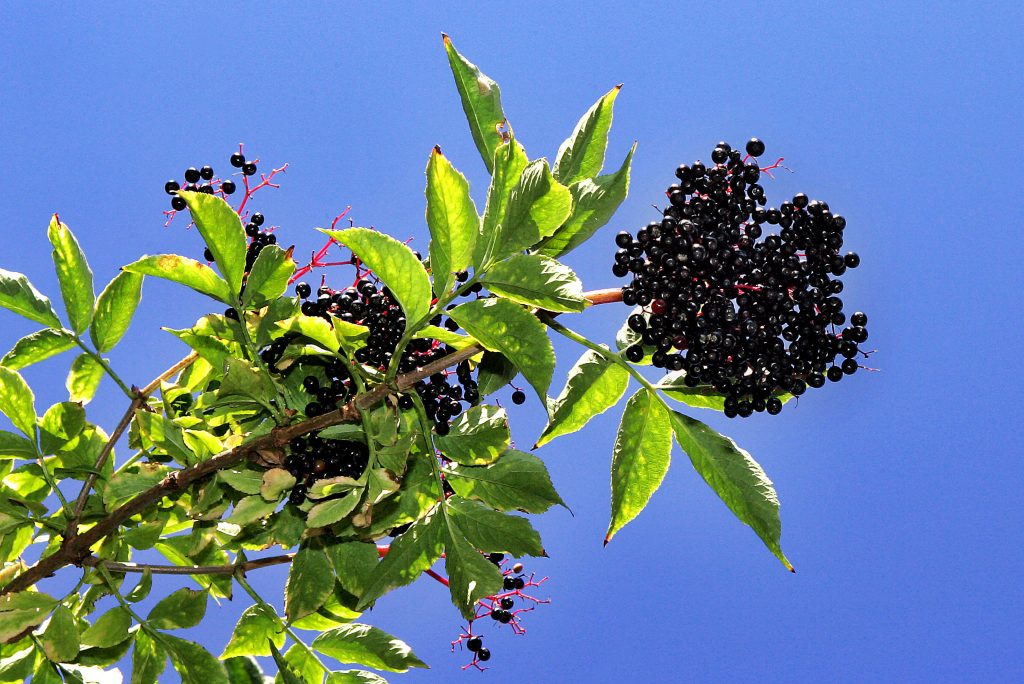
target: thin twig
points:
(126, 419)
(255, 564)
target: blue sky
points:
(900, 490)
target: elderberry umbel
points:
(753, 315)
(202, 180)
(504, 608)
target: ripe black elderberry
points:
(303, 290)
(248, 168)
(206, 173)
(475, 644)
(228, 187)
(171, 187)
(749, 314)
(313, 458)
(483, 655)
(192, 175)
(519, 397)
(237, 160)
(178, 203)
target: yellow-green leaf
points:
(37, 347)
(222, 230)
(114, 310)
(594, 385)
(452, 219)
(582, 154)
(736, 477)
(538, 281)
(481, 100)
(17, 401)
(640, 458)
(73, 275)
(394, 263)
(187, 272)
(21, 297)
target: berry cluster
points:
(313, 458)
(749, 314)
(376, 308)
(501, 608)
(194, 176)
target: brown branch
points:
(229, 569)
(126, 419)
(76, 550)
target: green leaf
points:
(245, 480)
(452, 219)
(131, 481)
(505, 327)
(481, 100)
(193, 663)
(516, 481)
(308, 583)
(46, 673)
(537, 206)
(354, 677)
(331, 511)
(148, 659)
(73, 274)
(183, 608)
(470, 575)
(184, 271)
(60, 424)
(640, 458)
(412, 553)
(490, 530)
(84, 378)
(111, 629)
(594, 202)
(251, 509)
(369, 646)
(478, 436)
(594, 385)
(268, 278)
(354, 564)
(253, 633)
(702, 396)
(60, 637)
(275, 482)
(510, 161)
(297, 666)
(222, 230)
(582, 154)
(141, 590)
(736, 477)
(243, 670)
(394, 263)
(494, 372)
(17, 666)
(166, 435)
(37, 347)
(243, 379)
(537, 281)
(15, 446)
(115, 309)
(17, 401)
(19, 295)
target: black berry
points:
(192, 175)
(518, 397)
(171, 187)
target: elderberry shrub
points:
(750, 314)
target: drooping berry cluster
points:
(501, 608)
(313, 458)
(749, 314)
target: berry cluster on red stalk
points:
(504, 608)
(752, 316)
